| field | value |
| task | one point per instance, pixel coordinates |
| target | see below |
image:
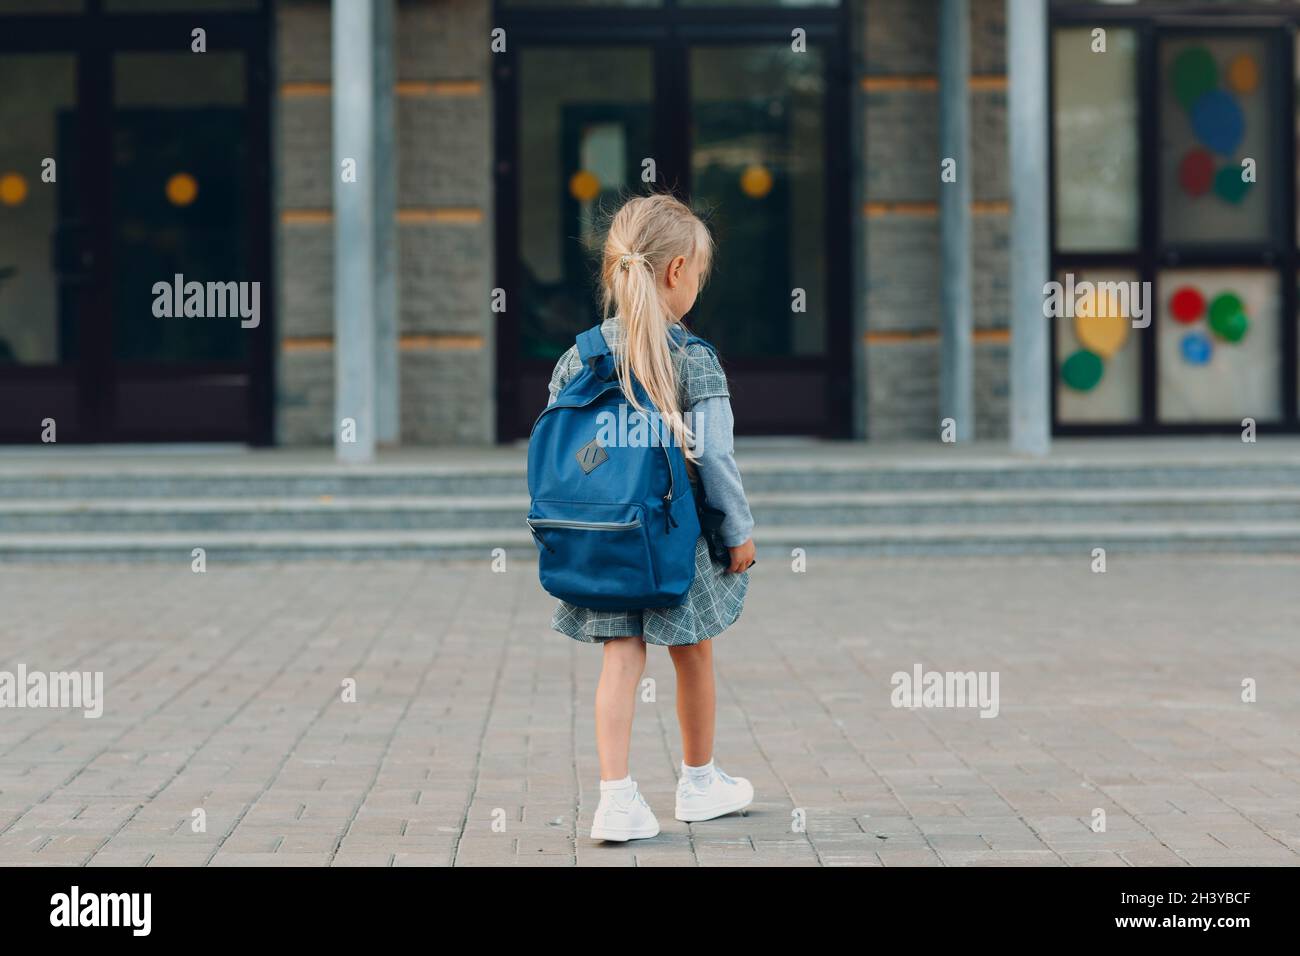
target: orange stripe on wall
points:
(928, 82)
(318, 217)
(987, 207)
(452, 215)
(439, 88)
(312, 343)
(440, 343)
(306, 217)
(980, 336)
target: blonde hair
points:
(644, 236)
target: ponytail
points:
(645, 235)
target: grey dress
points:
(717, 596)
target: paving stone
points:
(223, 693)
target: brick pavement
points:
(471, 741)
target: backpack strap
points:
(595, 354)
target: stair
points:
(1203, 496)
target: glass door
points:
(46, 262)
(135, 296)
(187, 299)
(737, 122)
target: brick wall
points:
(444, 222)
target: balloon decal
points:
(1225, 317)
(1082, 370)
(1216, 118)
(1101, 326)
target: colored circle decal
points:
(1217, 121)
(1194, 75)
(182, 189)
(1228, 184)
(1225, 305)
(1230, 327)
(1243, 74)
(13, 189)
(756, 181)
(1187, 304)
(1103, 335)
(1082, 370)
(1197, 348)
(1196, 172)
(584, 186)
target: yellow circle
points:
(13, 189)
(584, 186)
(1100, 325)
(182, 189)
(756, 181)
(1243, 74)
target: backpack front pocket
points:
(593, 555)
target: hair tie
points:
(625, 261)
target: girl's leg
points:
(696, 702)
(615, 703)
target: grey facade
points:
(445, 221)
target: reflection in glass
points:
(179, 199)
(757, 166)
(584, 129)
(1096, 116)
(37, 218)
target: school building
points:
(251, 220)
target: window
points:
(1168, 152)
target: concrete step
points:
(771, 509)
(776, 544)
(1244, 466)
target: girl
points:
(656, 257)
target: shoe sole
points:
(622, 836)
(699, 816)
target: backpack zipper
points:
(535, 523)
(584, 525)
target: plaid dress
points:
(716, 597)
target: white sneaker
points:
(620, 817)
(721, 796)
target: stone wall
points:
(444, 191)
(901, 243)
(446, 220)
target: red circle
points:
(1196, 172)
(1187, 304)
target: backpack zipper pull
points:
(669, 523)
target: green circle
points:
(1229, 326)
(1224, 305)
(1082, 370)
(1228, 184)
(1194, 73)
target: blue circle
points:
(1197, 348)
(1217, 121)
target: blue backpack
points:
(614, 521)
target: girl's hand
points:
(742, 556)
